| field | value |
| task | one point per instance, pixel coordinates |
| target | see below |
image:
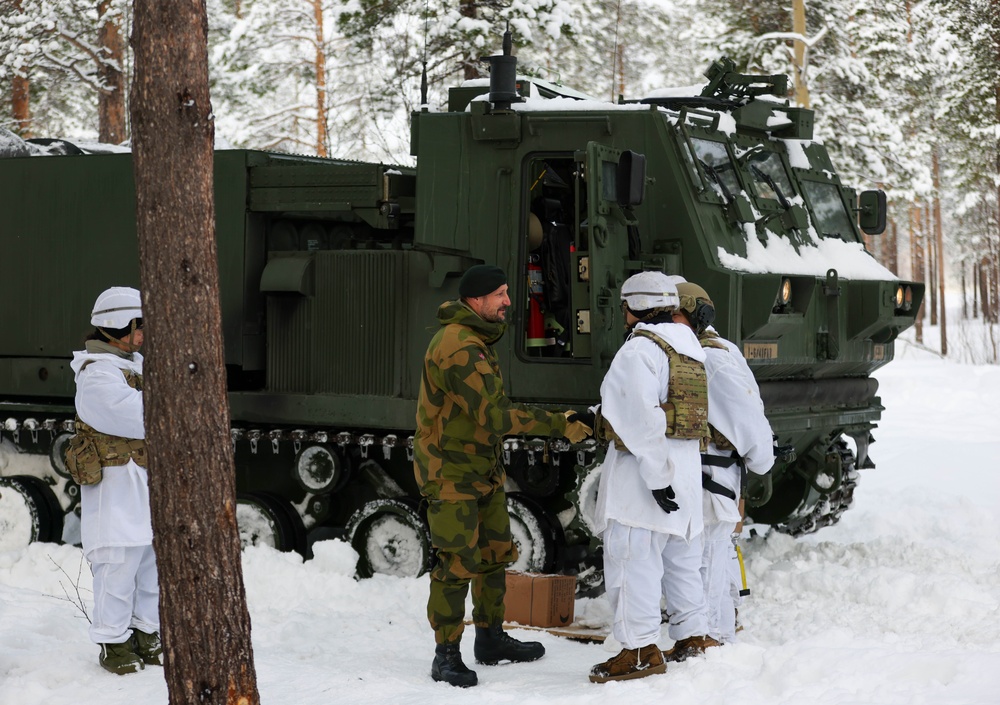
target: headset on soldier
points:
(696, 306)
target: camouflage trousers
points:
(474, 544)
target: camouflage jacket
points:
(463, 413)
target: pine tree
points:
(208, 656)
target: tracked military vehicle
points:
(332, 271)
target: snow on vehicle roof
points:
(11, 145)
(676, 91)
(780, 256)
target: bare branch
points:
(76, 599)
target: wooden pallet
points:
(572, 631)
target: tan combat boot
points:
(691, 646)
(628, 664)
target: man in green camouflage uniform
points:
(462, 418)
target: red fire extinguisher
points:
(536, 296)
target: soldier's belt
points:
(714, 487)
(718, 461)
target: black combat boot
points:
(493, 645)
(449, 667)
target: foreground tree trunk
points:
(205, 623)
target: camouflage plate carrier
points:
(89, 451)
(686, 407)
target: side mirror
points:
(631, 178)
(872, 208)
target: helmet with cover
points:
(696, 305)
(648, 294)
(117, 312)
(116, 308)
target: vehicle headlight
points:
(899, 296)
(785, 294)
(908, 299)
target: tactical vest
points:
(686, 407)
(89, 451)
(710, 339)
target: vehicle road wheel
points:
(534, 533)
(29, 511)
(391, 536)
(268, 520)
(318, 469)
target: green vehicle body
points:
(332, 271)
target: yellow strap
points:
(743, 570)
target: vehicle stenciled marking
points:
(760, 351)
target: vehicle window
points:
(714, 159)
(828, 209)
(769, 177)
(689, 160)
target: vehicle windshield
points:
(828, 209)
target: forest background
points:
(907, 94)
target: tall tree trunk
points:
(208, 655)
(892, 248)
(917, 257)
(975, 289)
(21, 106)
(984, 290)
(322, 138)
(939, 239)
(932, 263)
(470, 69)
(620, 60)
(20, 103)
(965, 298)
(995, 14)
(994, 285)
(110, 101)
(799, 27)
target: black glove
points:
(665, 498)
(587, 418)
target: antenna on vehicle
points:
(423, 70)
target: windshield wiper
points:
(769, 180)
(727, 194)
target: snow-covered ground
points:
(896, 604)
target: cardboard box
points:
(540, 600)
